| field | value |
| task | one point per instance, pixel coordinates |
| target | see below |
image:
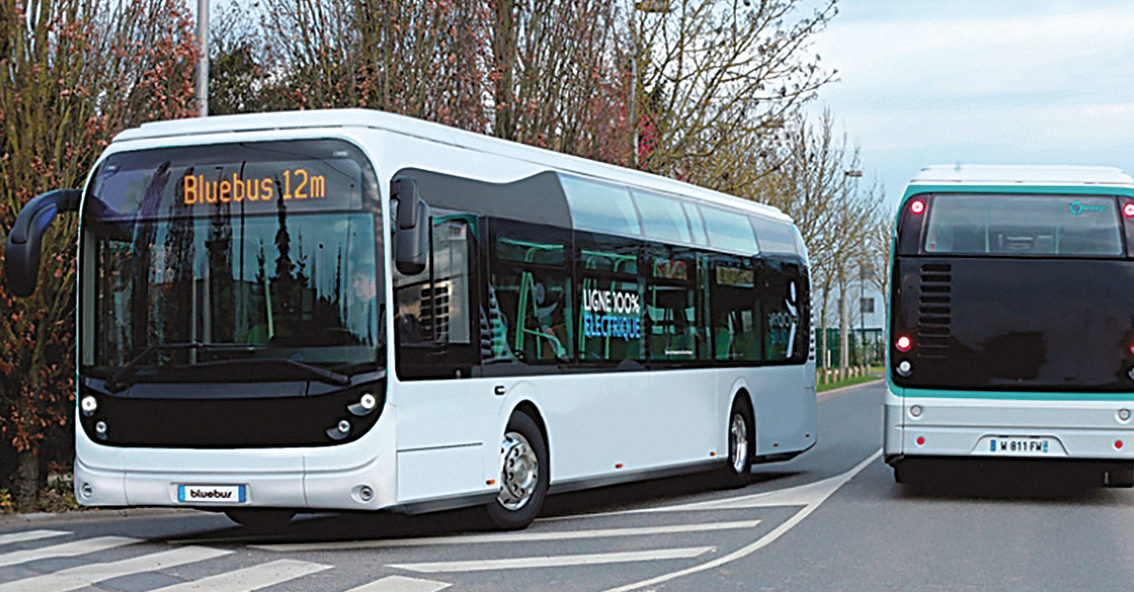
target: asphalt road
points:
(832, 519)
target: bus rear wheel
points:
(741, 435)
(523, 475)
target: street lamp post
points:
(648, 7)
(862, 314)
(203, 61)
(854, 174)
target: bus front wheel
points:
(523, 475)
(261, 520)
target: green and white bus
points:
(1011, 319)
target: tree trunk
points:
(27, 480)
(844, 345)
(826, 291)
(504, 39)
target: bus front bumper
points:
(360, 475)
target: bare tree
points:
(719, 78)
(557, 81)
(424, 58)
(74, 74)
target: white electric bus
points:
(354, 310)
(1011, 326)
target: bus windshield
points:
(1008, 225)
(266, 289)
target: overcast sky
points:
(981, 81)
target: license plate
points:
(210, 494)
(1019, 446)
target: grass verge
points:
(847, 382)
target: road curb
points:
(40, 518)
(843, 389)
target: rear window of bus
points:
(1023, 225)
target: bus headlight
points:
(340, 431)
(365, 405)
(100, 430)
(89, 405)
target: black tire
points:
(261, 520)
(741, 437)
(920, 472)
(901, 473)
(517, 505)
(1119, 477)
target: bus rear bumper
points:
(1022, 430)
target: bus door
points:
(441, 446)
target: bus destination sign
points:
(290, 184)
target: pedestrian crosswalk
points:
(29, 535)
(14, 567)
(250, 578)
(90, 574)
(71, 549)
(40, 560)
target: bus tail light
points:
(920, 440)
(1127, 205)
(903, 343)
(1118, 444)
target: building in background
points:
(866, 307)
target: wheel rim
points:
(738, 443)
(519, 471)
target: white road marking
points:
(401, 584)
(815, 497)
(88, 575)
(80, 547)
(249, 578)
(554, 561)
(515, 537)
(29, 535)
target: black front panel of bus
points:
(229, 415)
(988, 323)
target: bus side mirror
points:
(411, 239)
(21, 250)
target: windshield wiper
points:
(320, 374)
(116, 383)
(120, 379)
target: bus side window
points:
(612, 307)
(784, 295)
(734, 310)
(671, 304)
(528, 318)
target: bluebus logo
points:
(1077, 207)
